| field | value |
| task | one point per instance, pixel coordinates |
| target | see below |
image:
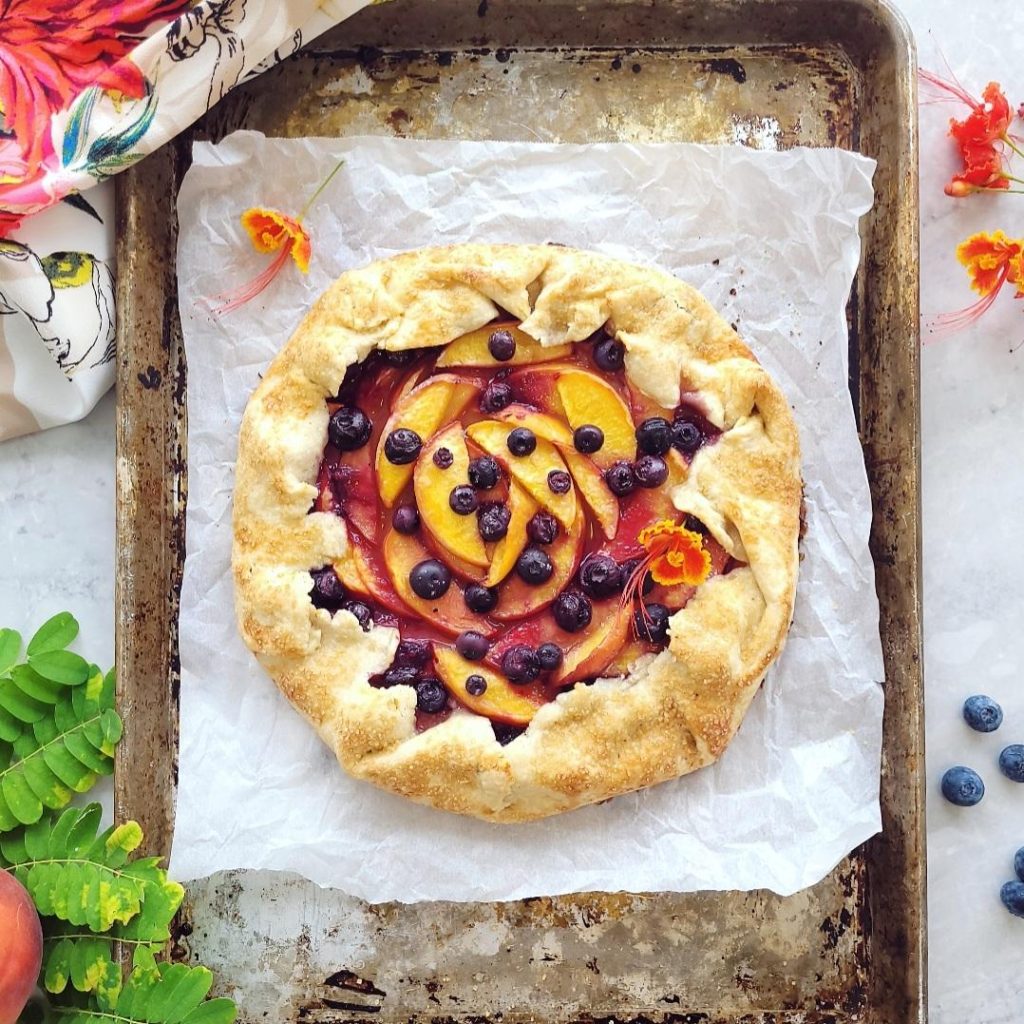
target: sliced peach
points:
(531, 471)
(424, 409)
(625, 658)
(518, 599)
(432, 485)
(540, 423)
(501, 701)
(471, 349)
(347, 486)
(596, 651)
(535, 385)
(509, 548)
(599, 499)
(372, 579)
(586, 398)
(448, 612)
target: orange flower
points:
(675, 555)
(991, 260)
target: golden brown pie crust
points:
(677, 710)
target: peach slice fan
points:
(273, 231)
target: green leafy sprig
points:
(58, 733)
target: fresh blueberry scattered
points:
(982, 713)
(475, 685)
(550, 656)
(505, 734)
(472, 645)
(686, 436)
(402, 446)
(492, 522)
(654, 436)
(620, 478)
(431, 696)
(534, 566)
(572, 611)
(521, 441)
(401, 675)
(559, 481)
(520, 664)
(588, 439)
(650, 471)
(542, 528)
(327, 591)
(496, 396)
(1018, 863)
(443, 458)
(600, 576)
(480, 599)
(501, 345)
(484, 473)
(412, 652)
(1012, 895)
(362, 612)
(962, 786)
(463, 500)
(654, 625)
(430, 579)
(1011, 762)
(405, 519)
(349, 428)
(610, 355)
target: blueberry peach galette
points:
(515, 527)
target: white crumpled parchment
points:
(772, 240)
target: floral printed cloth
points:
(87, 87)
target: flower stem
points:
(323, 184)
(1006, 138)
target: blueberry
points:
(542, 528)
(412, 652)
(472, 645)
(484, 473)
(443, 458)
(620, 478)
(496, 396)
(475, 685)
(610, 355)
(521, 441)
(349, 428)
(1012, 895)
(362, 612)
(686, 436)
(600, 576)
(505, 734)
(982, 713)
(501, 345)
(405, 519)
(1018, 863)
(480, 599)
(401, 675)
(520, 664)
(559, 481)
(493, 521)
(327, 591)
(654, 625)
(588, 439)
(534, 566)
(431, 696)
(430, 579)
(629, 567)
(654, 436)
(962, 786)
(572, 611)
(402, 446)
(549, 656)
(1011, 762)
(462, 500)
(650, 471)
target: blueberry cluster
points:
(964, 787)
(329, 593)
(409, 668)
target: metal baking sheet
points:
(763, 73)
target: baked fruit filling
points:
(510, 515)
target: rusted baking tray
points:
(770, 73)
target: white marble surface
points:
(57, 515)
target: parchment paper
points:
(771, 239)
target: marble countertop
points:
(58, 516)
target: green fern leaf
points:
(61, 755)
(10, 648)
(54, 634)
